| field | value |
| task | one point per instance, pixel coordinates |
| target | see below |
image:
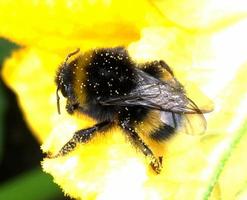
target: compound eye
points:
(64, 90)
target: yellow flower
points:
(205, 43)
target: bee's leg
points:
(70, 108)
(137, 141)
(81, 136)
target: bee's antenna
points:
(71, 54)
(58, 101)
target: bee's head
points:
(64, 80)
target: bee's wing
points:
(177, 110)
(156, 94)
(193, 124)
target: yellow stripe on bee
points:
(149, 125)
(79, 72)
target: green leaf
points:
(34, 184)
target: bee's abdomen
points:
(162, 133)
(147, 122)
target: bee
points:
(107, 85)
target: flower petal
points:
(205, 15)
(109, 163)
(26, 72)
(61, 24)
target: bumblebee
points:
(107, 85)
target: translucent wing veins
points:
(156, 94)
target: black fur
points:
(133, 114)
(153, 68)
(163, 133)
(110, 73)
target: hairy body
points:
(143, 99)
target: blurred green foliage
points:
(5, 50)
(31, 184)
(3, 105)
